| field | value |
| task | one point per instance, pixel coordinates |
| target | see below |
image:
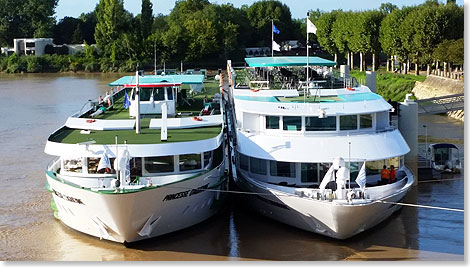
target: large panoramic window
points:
(73, 165)
(159, 164)
(243, 162)
(309, 172)
(272, 122)
(258, 166)
(365, 121)
(159, 94)
(292, 123)
(283, 169)
(189, 162)
(348, 122)
(317, 124)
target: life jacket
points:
(385, 174)
(393, 174)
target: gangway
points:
(440, 104)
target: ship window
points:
(207, 158)
(73, 165)
(159, 164)
(158, 94)
(258, 166)
(283, 169)
(170, 93)
(93, 165)
(365, 121)
(348, 122)
(145, 94)
(317, 124)
(243, 162)
(218, 156)
(323, 169)
(272, 122)
(189, 162)
(309, 172)
(292, 123)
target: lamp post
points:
(426, 141)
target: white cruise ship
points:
(132, 165)
(313, 158)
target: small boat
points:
(445, 158)
(310, 153)
(132, 166)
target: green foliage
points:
(16, 64)
(28, 18)
(392, 86)
(343, 30)
(324, 31)
(34, 64)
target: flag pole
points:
(305, 90)
(272, 38)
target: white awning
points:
(99, 125)
(189, 122)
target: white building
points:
(31, 46)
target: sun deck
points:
(312, 99)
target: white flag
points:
(329, 176)
(311, 28)
(276, 47)
(104, 162)
(361, 177)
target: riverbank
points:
(391, 85)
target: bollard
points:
(408, 126)
(371, 80)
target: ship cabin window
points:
(282, 169)
(189, 162)
(73, 165)
(258, 166)
(320, 124)
(272, 122)
(348, 122)
(218, 156)
(365, 121)
(243, 162)
(159, 164)
(309, 172)
(169, 93)
(292, 123)
(207, 158)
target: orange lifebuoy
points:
(349, 88)
(90, 121)
(197, 118)
(254, 90)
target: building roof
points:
(288, 61)
(159, 79)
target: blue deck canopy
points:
(158, 79)
(288, 61)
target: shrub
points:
(34, 64)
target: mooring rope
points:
(419, 206)
(290, 195)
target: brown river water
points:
(34, 105)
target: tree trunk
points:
(428, 71)
(392, 59)
(437, 65)
(416, 68)
(407, 66)
(348, 55)
(445, 69)
(373, 62)
(352, 60)
(336, 58)
(361, 67)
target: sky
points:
(299, 8)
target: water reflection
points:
(32, 106)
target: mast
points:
(272, 38)
(137, 96)
(154, 57)
(305, 90)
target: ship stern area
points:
(127, 216)
(336, 218)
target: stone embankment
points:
(435, 86)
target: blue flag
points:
(275, 30)
(127, 103)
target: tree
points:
(87, 26)
(146, 19)
(387, 8)
(342, 32)
(324, 34)
(261, 13)
(111, 24)
(63, 31)
(28, 18)
(77, 36)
